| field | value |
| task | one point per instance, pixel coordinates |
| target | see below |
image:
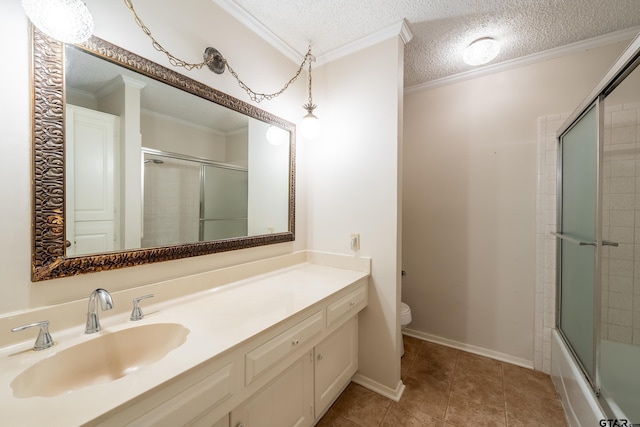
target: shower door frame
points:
(598, 105)
(624, 65)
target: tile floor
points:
(446, 387)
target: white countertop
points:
(219, 320)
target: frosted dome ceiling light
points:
(68, 21)
(481, 51)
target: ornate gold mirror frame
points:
(48, 97)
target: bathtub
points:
(619, 389)
(580, 403)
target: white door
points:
(92, 140)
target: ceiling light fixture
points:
(214, 60)
(481, 51)
(68, 21)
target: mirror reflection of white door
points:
(92, 141)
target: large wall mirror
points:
(135, 163)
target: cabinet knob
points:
(295, 341)
(352, 303)
(320, 357)
(239, 425)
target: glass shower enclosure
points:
(188, 199)
(598, 238)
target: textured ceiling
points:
(443, 28)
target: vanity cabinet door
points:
(285, 402)
(336, 362)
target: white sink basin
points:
(99, 360)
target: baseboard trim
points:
(393, 394)
(469, 348)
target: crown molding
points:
(233, 9)
(577, 47)
(398, 29)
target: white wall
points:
(469, 200)
(354, 187)
(184, 27)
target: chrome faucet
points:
(93, 323)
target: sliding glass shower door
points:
(578, 234)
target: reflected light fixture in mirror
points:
(481, 51)
(277, 136)
(68, 21)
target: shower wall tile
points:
(620, 334)
(620, 284)
(618, 299)
(623, 118)
(621, 160)
(621, 185)
(620, 201)
(624, 135)
(620, 317)
(623, 168)
(545, 301)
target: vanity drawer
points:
(347, 305)
(279, 347)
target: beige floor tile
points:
(481, 387)
(532, 381)
(514, 420)
(424, 397)
(544, 409)
(397, 416)
(361, 406)
(405, 364)
(332, 419)
(465, 412)
(411, 344)
(479, 364)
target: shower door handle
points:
(572, 240)
(582, 243)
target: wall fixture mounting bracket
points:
(214, 59)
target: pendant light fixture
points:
(310, 125)
(68, 21)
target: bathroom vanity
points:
(273, 340)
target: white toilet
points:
(405, 319)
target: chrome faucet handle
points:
(136, 313)
(44, 339)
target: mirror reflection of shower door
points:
(578, 236)
(224, 194)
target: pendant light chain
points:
(258, 97)
(176, 62)
(310, 106)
